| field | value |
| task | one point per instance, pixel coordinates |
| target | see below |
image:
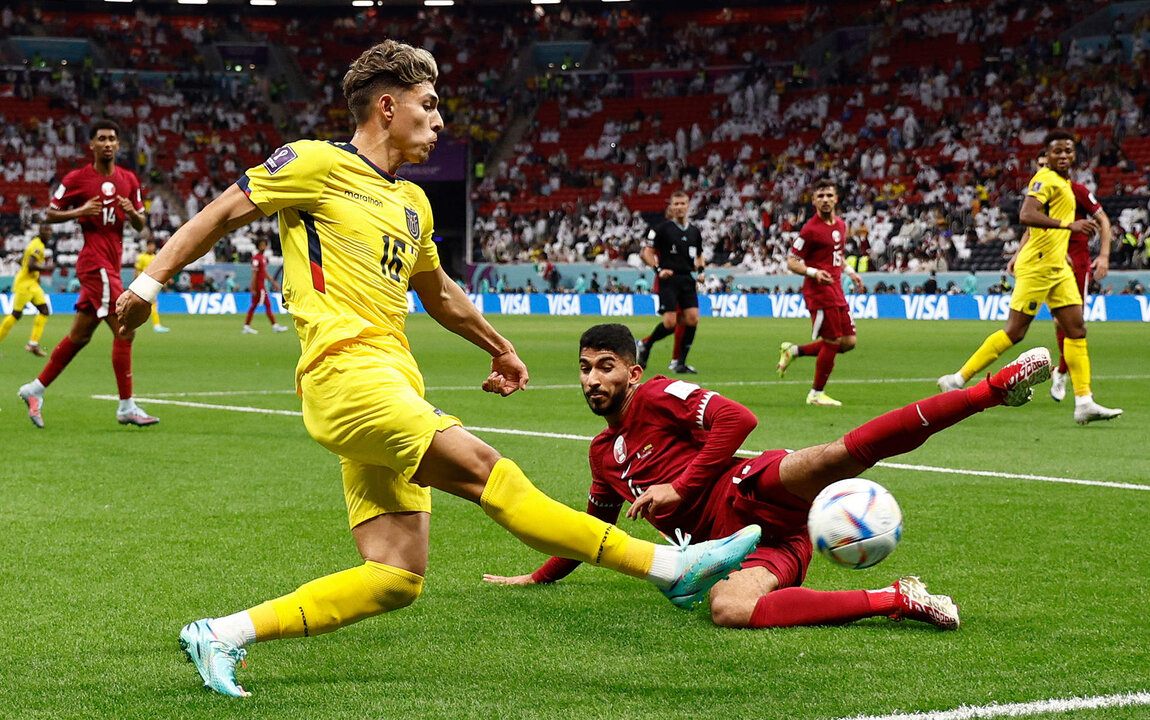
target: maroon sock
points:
(824, 364)
(799, 606)
(122, 366)
(59, 360)
(251, 310)
(1061, 355)
(268, 307)
(900, 431)
(809, 348)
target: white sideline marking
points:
(588, 438)
(730, 383)
(967, 712)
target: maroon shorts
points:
(832, 322)
(99, 290)
(753, 495)
(1081, 273)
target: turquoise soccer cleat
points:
(706, 563)
(215, 659)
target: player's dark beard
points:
(613, 405)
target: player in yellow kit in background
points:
(355, 237)
(143, 260)
(26, 289)
(1044, 276)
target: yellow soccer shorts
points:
(27, 292)
(366, 405)
(1056, 287)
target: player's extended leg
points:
(38, 323)
(83, 325)
(128, 412)
(824, 365)
(994, 345)
(1078, 363)
(459, 463)
(9, 323)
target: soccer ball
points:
(855, 523)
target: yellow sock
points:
(1078, 363)
(336, 600)
(986, 353)
(155, 315)
(555, 529)
(38, 324)
(8, 324)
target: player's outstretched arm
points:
(232, 209)
(448, 305)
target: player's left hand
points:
(1101, 267)
(653, 500)
(508, 374)
(126, 205)
(131, 310)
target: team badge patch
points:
(412, 223)
(620, 450)
(1033, 306)
(279, 158)
(1036, 186)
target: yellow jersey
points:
(352, 237)
(33, 253)
(1047, 247)
(143, 260)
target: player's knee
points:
(846, 344)
(391, 588)
(730, 610)
(17, 314)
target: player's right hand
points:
(93, 207)
(1085, 225)
(131, 310)
(513, 580)
(824, 277)
(1010, 264)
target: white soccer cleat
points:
(1058, 385)
(34, 401)
(249, 330)
(704, 564)
(160, 329)
(276, 327)
(786, 354)
(821, 398)
(1087, 411)
(914, 602)
(136, 416)
(951, 381)
(215, 659)
(642, 353)
(1017, 379)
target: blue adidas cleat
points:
(703, 565)
(215, 659)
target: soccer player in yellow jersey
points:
(143, 260)
(1043, 275)
(355, 237)
(26, 289)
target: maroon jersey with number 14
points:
(820, 245)
(103, 233)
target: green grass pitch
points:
(114, 537)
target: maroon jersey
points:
(103, 233)
(821, 246)
(259, 271)
(1088, 207)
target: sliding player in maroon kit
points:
(100, 197)
(1078, 253)
(818, 254)
(260, 280)
(669, 449)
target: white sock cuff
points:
(664, 566)
(237, 628)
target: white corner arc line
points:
(589, 438)
(968, 712)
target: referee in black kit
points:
(675, 249)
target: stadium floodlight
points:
(362, 3)
(544, 2)
(118, 1)
(192, 2)
(262, 2)
(438, 3)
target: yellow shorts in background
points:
(366, 405)
(24, 293)
(1057, 287)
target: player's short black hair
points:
(824, 183)
(1040, 154)
(612, 337)
(1056, 135)
(104, 124)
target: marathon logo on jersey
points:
(278, 159)
(620, 450)
(412, 223)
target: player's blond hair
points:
(389, 65)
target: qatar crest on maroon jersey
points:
(412, 223)
(620, 450)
